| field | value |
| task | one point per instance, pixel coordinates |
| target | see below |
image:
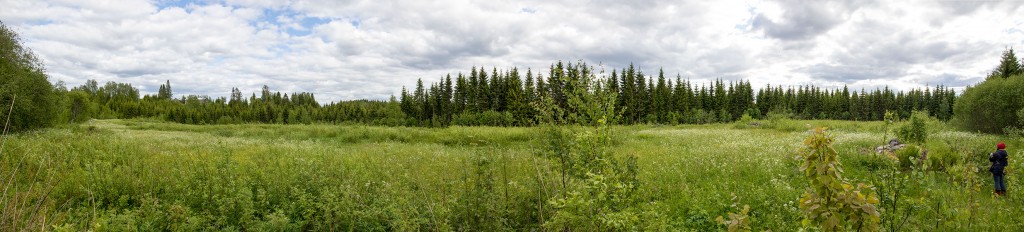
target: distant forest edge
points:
(504, 97)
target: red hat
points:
(1001, 145)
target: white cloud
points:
(369, 49)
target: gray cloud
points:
(850, 73)
(951, 79)
(805, 19)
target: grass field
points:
(144, 175)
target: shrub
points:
(914, 131)
(941, 155)
(599, 187)
(478, 208)
(753, 112)
(782, 120)
(830, 201)
(700, 116)
(746, 118)
(744, 122)
(990, 106)
(736, 222)
(908, 155)
(486, 118)
(225, 120)
(23, 83)
(871, 162)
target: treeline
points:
(504, 97)
(120, 100)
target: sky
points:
(352, 49)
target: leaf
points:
(831, 222)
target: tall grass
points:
(146, 175)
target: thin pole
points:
(7, 124)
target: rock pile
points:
(893, 145)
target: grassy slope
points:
(134, 174)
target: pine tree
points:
(517, 101)
(446, 99)
(165, 91)
(420, 101)
(657, 97)
(629, 97)
(529, 90)
(483, 91)
(461, 94)
(473, 98)
(1008, 66)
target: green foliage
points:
(745, 122)
(889, 120)
(908, 156)
(830, 201)
(479, 208)
(984, 107)
(646, 99)
(599, 189)
(941, 155)
(914, 131)
(486, 118)
(165, 91)
(369, 178)
(894, 187)
(80, 107)
(739, 221)
(780, 119)
(26, 96)
(1008, 66)
(993, 106)
(502, 99)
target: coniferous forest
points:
(507, 98)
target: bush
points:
(744, 122)
(914, 131)
(23, 82)
(782, 120)
(486, 118)
(753, 112)
(870, 162)
(991, 106)
(225, 120)
(831, 201)
(941, 155)
(908, 155)
(700, 116)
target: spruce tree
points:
(1008, 66)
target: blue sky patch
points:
(163, 4)
(356, 22)
(285, 18)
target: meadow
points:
(146, 175)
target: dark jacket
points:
(999, 162)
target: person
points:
(999, 163)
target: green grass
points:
(147, 175)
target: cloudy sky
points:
(348, 49)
